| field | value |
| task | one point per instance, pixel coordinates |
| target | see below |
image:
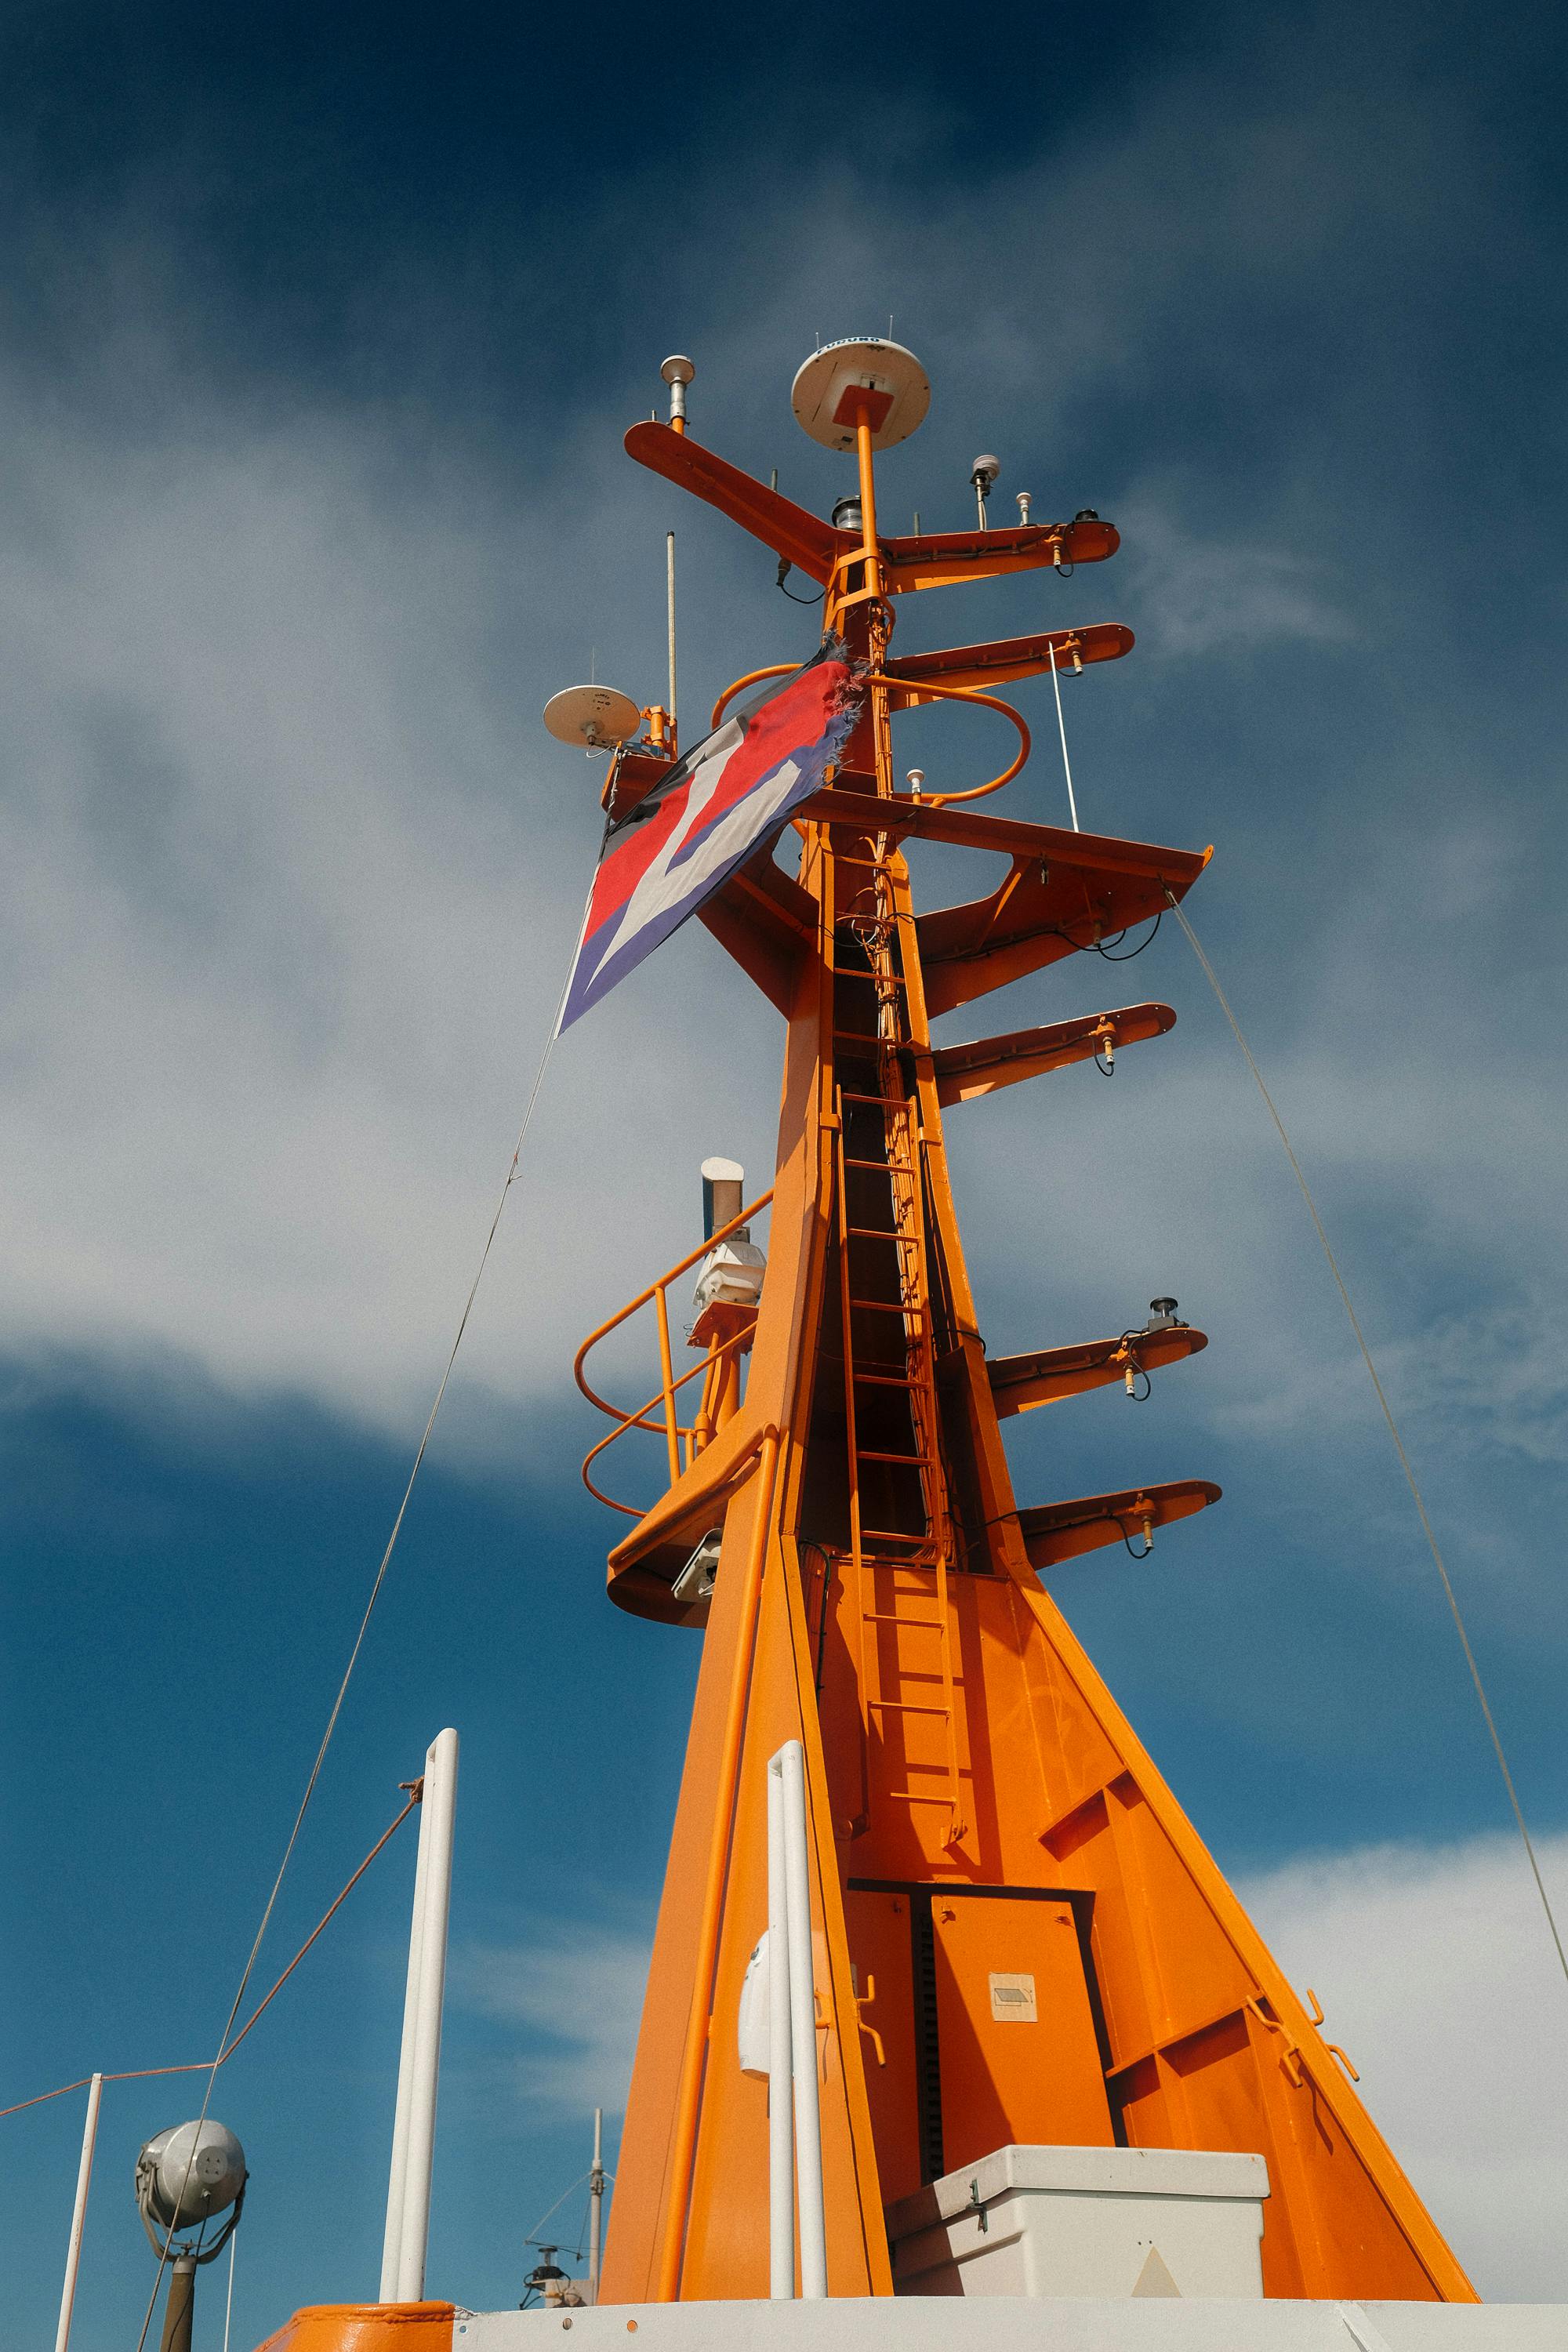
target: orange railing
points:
(683, 1442)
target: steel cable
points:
(1427, 1527)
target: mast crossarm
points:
(963, 1073)
(1057, 1531)
(936, 559)
(812, 545)
(1067, 892)
(904, 817)
(944, 558)
(1009, 657)
(1019, 1383)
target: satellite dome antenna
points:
(592, 717)
(860, 372)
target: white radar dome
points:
(860, 370)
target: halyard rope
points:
(1427, 1527)
(194, 2065)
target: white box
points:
(1085, 2221)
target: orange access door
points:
(978, 2026)
(1019, 2059)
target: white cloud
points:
(1437, 1974)
(579, 1994)
(1202, 596)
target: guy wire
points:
(375, 1596)
(1404, 1463)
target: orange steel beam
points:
(687, 2096)
(1053, 1532)
(1009, 657)
(1019, 1383)
(963, 1073)
(815, 547)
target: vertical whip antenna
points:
(669, 619)
(1061, 730)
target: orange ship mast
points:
(840, 1519)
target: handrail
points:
(924, 686)
(636, 1421)
(921, 687)
(687, 1263)
(670, 1386)
(752, 677)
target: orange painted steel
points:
(959, 1741)
(366, 2327)
(752, 677)
(668, 1428)
(986, 702)
(685, 2130)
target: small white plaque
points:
(1012, 2000)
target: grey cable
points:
(379, 1579)
(1427, 1527)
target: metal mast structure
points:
(978, 1809)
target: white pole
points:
(79, 2212)
(669, 611)
(595, 2204)
(802, 2030)
(437, 1818)
(781, 2126)
(1062, 731)
(392, 2243)
(228, 2306)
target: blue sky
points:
(317, 338)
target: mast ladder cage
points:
(980, 1813)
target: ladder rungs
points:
(884, 1167)
(905, 1706)
(891, 1617)
(914, 1460)
(886, 1307)
(885, 1380)
(876, 979)
(883, 1102)
(877, 1233)
(921, 1796)
(895, 1534)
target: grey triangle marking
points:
(1155, 2278)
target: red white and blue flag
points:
(716, 807)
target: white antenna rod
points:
(781, 2121)
(228, 2306)
(670, 613)
(810, 2217)
(1061, 730)
(595, 2204)
(420, 2068)
(79, 2213)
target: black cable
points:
(785, 569)
(1099, 948)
